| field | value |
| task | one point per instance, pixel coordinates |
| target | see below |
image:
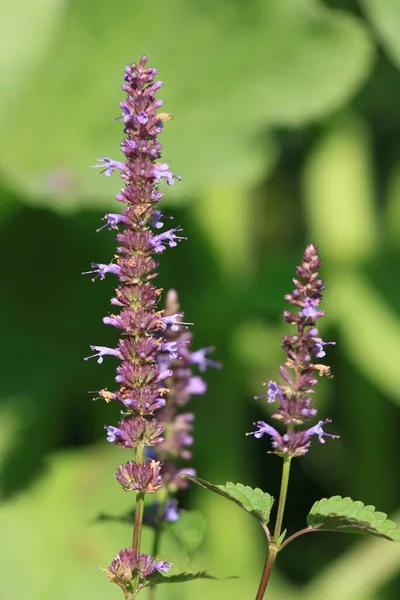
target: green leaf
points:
(385, 17)
(254, 501)
(189, 530)
(222, 129)
(352, 516)
(157, 577)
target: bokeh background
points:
(286, 131)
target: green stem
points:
(138, 517)
(274, 546)
(269, 563)
(282, 497)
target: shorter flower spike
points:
(295, 394)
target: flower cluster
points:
(294, 394)
(181, 385)
(126, 566)
(143, 330)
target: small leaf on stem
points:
(254, 501)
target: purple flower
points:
(310, 308)
(319, 347)
(143, 117)
(161, 171)
(169, 237)
(264, 428)
(171, 512)
(126, 564)
(174, 321)
(317, 430)
(102, 270)
(103, 351)
(109, 165)
(156, 220)
(171, 348)
(196, 385)
(147, 565)
(199, 358)
(273, 392)
(112, 221)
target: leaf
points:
(352, 516)
(189, 530)
(233, 76)
(385, 17)
(157, 577)
(349, 577)
(254, 501)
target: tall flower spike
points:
(144, 332)
(294, 393)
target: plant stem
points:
(139, 507)
(274, 546)
(282, 497)
(138, 516)
(297, 534)
(269, 563)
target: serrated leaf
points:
(352, 516)
(158, 577)
(254, 501)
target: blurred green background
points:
(286, 131)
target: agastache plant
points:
(150, 340)
(293, 397)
